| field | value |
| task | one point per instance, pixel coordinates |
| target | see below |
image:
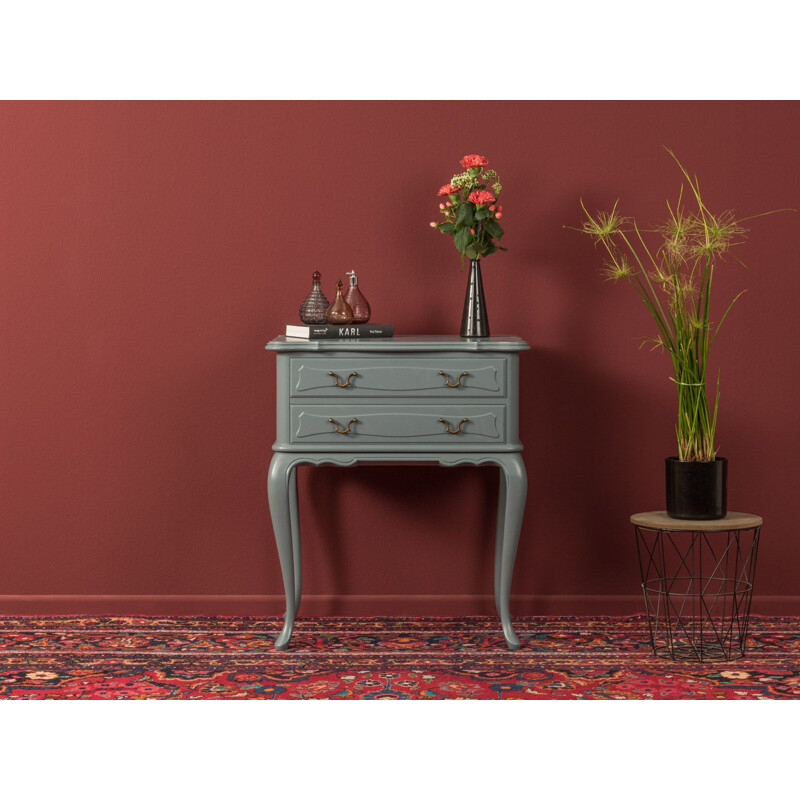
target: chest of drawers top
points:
(399, 344)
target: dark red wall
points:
(148, 252)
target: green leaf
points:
(462, 240)
(471, 252)
(447, 227)
(466, 216)
(482, 213)
(492, 227)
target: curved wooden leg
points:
(516, 490)
(278, 492)
(498, 539)
(294, 517)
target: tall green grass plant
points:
(674, 280)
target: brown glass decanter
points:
(339, 312)
(357, 301)
(313, 309)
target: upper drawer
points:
(450, 376)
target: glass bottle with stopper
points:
(339, 312)
(356, 300)
(313, 309)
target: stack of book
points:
(366, 330)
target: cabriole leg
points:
(498, 540)
(294, 517)
(278, 492)
(513, 475)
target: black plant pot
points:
(475, 320)
(697, 489)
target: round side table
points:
(697, 579)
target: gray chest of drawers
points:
(404, 399)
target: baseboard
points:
(351, 605)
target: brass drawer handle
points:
(337, 379)
(458, 379)
(448, 429)
(341, 430)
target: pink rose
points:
(448, 188)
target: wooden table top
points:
(732, 521)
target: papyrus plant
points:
(674, 278)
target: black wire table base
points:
(698, 587)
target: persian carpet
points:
(197, 658)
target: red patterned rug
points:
(343, 658)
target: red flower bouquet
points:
(471, 213)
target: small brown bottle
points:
(339, 312)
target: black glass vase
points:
(474, 320)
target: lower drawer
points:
(350, 425)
